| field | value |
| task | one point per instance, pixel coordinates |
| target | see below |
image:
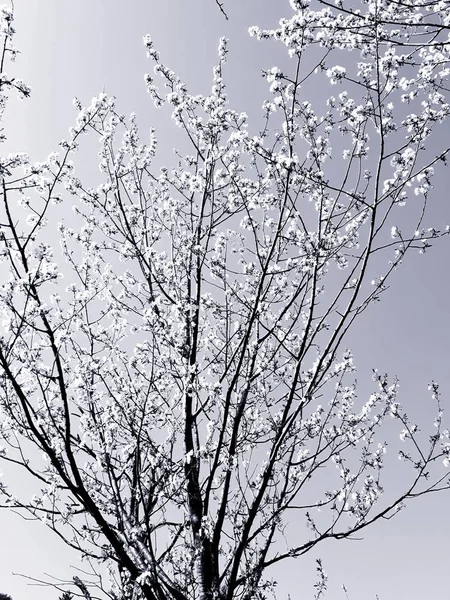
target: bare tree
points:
(188, 383)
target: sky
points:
(81, 48)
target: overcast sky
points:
(81, 48)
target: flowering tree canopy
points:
(174, 373)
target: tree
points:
(5, 597)
(188, 383)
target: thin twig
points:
(221, 8)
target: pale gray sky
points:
(80, 48)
